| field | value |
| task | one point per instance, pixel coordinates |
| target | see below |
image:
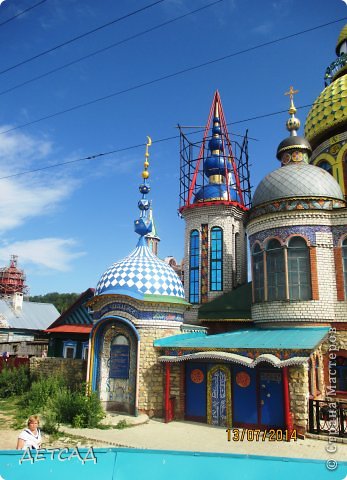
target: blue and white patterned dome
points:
(142, 275)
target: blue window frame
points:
(85, 346)
(69, 349)
(216, 259)
(194, 256)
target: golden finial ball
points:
(145, 174)
(293, 123)
(146, 164)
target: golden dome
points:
(328, 111)
(342, 38)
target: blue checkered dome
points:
(140, 275)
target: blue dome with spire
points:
(142, 275)
(217, 168)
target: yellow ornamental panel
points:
(328, 112)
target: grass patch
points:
(9, 405)
(121, 425)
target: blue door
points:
(244, 388)
(195, 408)
(271, 398)
(219, 397)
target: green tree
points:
(61, 301)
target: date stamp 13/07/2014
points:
(272, 435)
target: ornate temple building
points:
(267, 354)
(137, 300)
(325, 126)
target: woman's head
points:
(33, 422)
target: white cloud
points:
(32, 195)
(36, 194)
(18, 150)
(51, 253)
(264, 28)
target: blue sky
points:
(68, 224)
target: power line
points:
(74, 39)
(166, 77)
(131, 147)
(104, 49)
(22, 12)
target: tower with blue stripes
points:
(214, 199)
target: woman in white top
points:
(30, 437)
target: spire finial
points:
(144, 224)
(293, 123)
(291, 94)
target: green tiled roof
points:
(232, 305)
(305, 338)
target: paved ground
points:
(154, 434)
(202, 438)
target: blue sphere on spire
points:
(144, 189)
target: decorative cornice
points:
(235, 358)
(296, 204)
(138, 314)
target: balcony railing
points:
(328, 418)
(334, 67)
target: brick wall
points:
(73, 370)
(151, 373)
(298, 394)
(325, 306)
(231, 220)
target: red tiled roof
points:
(70, 329)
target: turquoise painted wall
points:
(129, 464)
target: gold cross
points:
(291, 92)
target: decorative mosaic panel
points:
(219, 396)
(219, 413)
(297, 204)
(139, 314)
(116, 389)
(204, 263)
(338, 233)
(284, 232)
(328, 111)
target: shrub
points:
(50, 397)
(14, 381)
(78, 409)
(121, 424)
(40, 393)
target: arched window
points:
(275, 271)
(258, 273)
(194, 254)
(325, 165)
(120, 340)
(299, 270)
(216, 259)
(344, 264)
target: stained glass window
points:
(216, 259)
(326, 166)
(194, 254)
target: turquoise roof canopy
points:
(306, 338)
